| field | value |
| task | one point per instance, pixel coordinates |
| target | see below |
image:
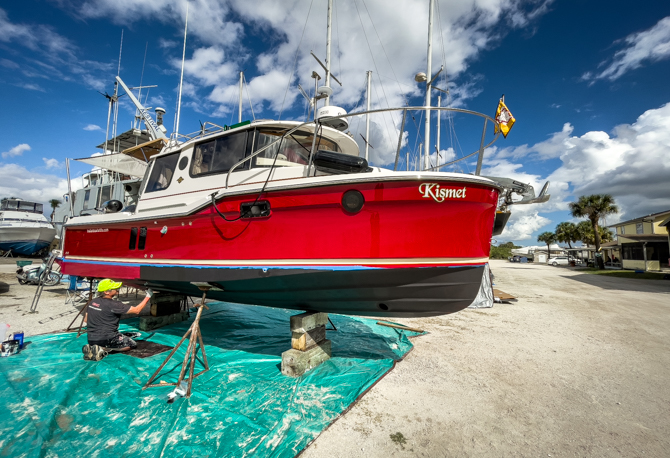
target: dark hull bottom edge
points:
(393, 292)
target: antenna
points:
(307, 97)
(367, 116)
(118, 70)
(181, 79)
(328, 37)
(429, 62)
(304, 94)
(239, 117)
(139, 97)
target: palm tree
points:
(594, 207)
(54, 204)
(567, 233)
(548, 238)
(585, 233)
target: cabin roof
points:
(346, 143)
(127, 140)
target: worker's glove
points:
(150, 292)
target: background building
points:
(644, 243)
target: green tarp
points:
(53, 403)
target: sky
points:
(588, 84)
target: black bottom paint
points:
(393, 292)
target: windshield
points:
(161, 173)
(292, 151)
(219, 155)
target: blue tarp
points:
(53, 403)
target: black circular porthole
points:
(183, 162)
(384, 307)
(352, 201)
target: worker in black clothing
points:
(102, 322)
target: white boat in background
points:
(24, 230)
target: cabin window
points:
(27, 206)
(10, 204)
(161, 173)
(106, 194)
(292, 151)
(87, 197)
(219, 155)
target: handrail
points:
(204, 132)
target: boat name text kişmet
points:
(433, 190)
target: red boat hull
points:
(309, 253)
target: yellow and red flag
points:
(504, 118)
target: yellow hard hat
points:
(108, 285)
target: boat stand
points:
(82, 312)
(191, 352)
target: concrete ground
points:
(578, 366)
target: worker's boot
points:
(97, 353)
(88, 354)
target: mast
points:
(69, 185)
(367, 116)
(328, 37)
(429, 72)
(181, 79)
(437, 133)
(239, 118)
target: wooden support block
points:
(308, 321)
(166, 304)
(149, 323)
(502, 295)
(295, 363)
(305, 340)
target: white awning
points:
(118, 162)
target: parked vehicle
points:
(560, 260)
(32, 274)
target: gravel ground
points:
(578, 366)
(52, 312)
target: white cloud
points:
(92, 127)
(16, 180)
(650, 45)
(523, 223)
(51, 163)
(57, 56)
(31, 87)
(219, 28)
(18, 150)
(631, 163)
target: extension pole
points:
(239, 117)
(367, 116)
(429, 73)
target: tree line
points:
(594, 207)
